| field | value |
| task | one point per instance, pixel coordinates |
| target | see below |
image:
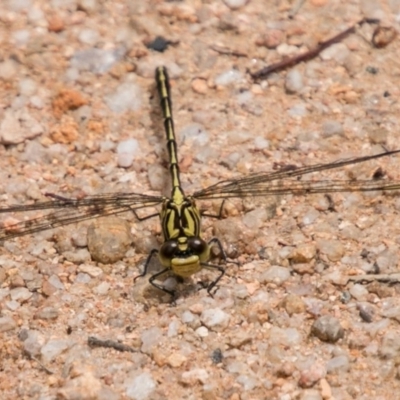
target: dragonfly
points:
(184, 252)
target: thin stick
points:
(387, 278)
(94, 342)
(295, 8)
(290, 61)
(48, 371)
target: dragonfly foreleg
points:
(215, 281)
(146, 264)
(156, 285)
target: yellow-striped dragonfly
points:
(184, 252)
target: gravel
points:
(79, 117)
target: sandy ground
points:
(292, 321)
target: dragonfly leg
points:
(146, 217)
(221, 249)
(219, 215)
(146, 264)
(156, 285)
(60, 198)
(215, 281)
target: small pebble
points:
(199, 86)
(33, 342)
(333, 249)
(97, 61)
(103, 288)
(390, 345)
(332, 128)
(217, 356)
(109, 239)
(202, 331)
(367, 312)
(294, 81)
(194, 376)
(311, 394)
(190, 319)
(235, 4)
(17, 281)
(383, 35)
(53, 348)
(285, 370)
(140, 386)
(176, 360)
(239, 339)
(271, 39)
(310, 376)
(340, 363)
(126, 97)
(159, 44)
(55, 281)
(338, 52)
(91, 270)
(82, 278)
(261, 143)
(127, 150)
(327, 329)
(20, 294)
(7, 324)
(78, 256)
(359, 292)
(303, 253)
(18, 126)
(275, 274)
(88, 36)
(228, 77)
(298, 110)
(47, 313)
(293, 304)
(150, 338)
(326, 390)
(88, 5)
(173, 328)
(215, 319)
(8, 69)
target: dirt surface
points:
(79, 116)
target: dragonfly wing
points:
(285, 182)
(68, 211)
(299, 188)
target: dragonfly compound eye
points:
(197, 245)
(168, 249)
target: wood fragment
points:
(290, 61)
(94, 342)
(227, 51)
(48, 371)
(295, 8)
(386, 278)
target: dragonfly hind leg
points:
(217, 216)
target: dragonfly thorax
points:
(183, 250)
(180, 219)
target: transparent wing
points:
(286, 182)
(68, 211)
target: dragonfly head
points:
(184, 255)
